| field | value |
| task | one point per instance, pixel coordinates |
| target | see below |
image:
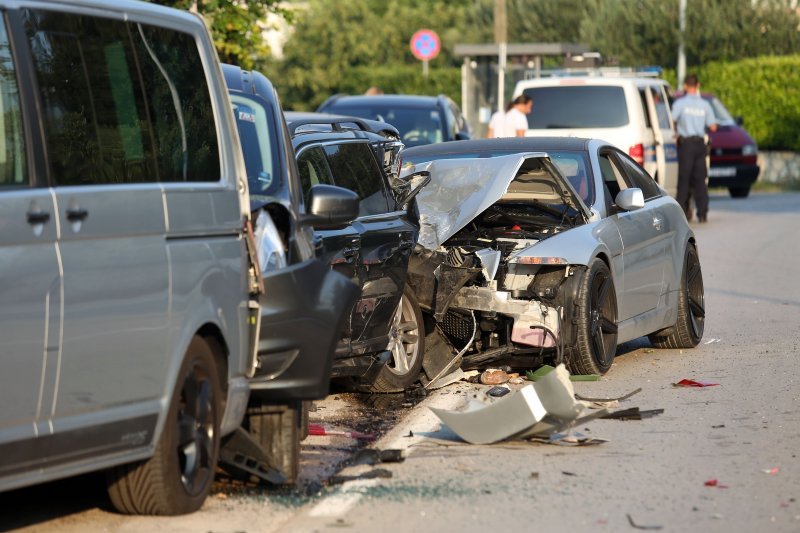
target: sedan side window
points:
(12, 148)
(613, 180)
(354, 167)
(639, 178)
(313, 170)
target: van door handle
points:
(75, 215)
(39, 217)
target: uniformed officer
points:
(692, 116)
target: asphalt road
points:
(743, 433)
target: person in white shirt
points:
(516, 120)
(497, 124)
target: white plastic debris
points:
(271, 253)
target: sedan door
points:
(643, 244)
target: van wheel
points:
(407, 344)
(178, 477)
(596, 343)
(279, 430)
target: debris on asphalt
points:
(771, 471)
(440, 366)
(241, 456)
(373, 456)
(633, 413)
(534, 475)
(494, 376)
(544, 370)
(377, 473)
(601, 400)
(640, 526)
(498, 391)
(568, 473)
(443, 381)
(694, 383)
(718, 426)
(715, 483)
(569, 439)
(712, 341)
(613, 404)
(519, 380)
(320, 431)
(537, 410)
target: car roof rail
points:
(336, 125)
(650, 71)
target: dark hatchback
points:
(382, 344)
(420, 120)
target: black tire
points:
(739, 192)
(179, 475)
(407, 335)
(688, 330)
(278, 429)
(596, 344)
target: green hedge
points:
(765, 91)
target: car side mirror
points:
(330, 207)
(630, 199)
(404, 193)
(739, 120)
(463, 136)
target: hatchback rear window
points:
(567, 107)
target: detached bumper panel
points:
(303, 313)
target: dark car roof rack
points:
(334, 123)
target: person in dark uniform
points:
(692, 116)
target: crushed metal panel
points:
(538, 409)
(435, 283)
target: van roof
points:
(134, 7)
(587, 80)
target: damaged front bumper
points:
(535, 324)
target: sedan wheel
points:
(688, 329)
(596, 343)
(406, 344)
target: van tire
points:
(739, 192)
(177, 479)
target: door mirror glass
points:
(630, 199)
(739, 120)
(330, 207)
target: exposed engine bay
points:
(491, 297)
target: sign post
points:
(425, 45)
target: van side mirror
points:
(630, 199)
(330, 207)
(463, 136)
(739, 120)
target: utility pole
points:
(501, 38)
(682, 44)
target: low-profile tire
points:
(688, 330)
(596, 341)
(279, 430)
(179, 475)
(407, 344)
(739, 192)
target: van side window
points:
(123, 102)
(662, 112)
(12, 147)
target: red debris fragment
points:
(715, 483)
(694, 383)
(320, 431)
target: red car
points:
(733, 151)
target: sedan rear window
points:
(567, 107)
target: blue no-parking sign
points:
(425, 45)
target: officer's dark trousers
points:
(692, 174)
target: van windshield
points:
(720, 112)
(577, 106)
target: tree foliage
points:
(237, 26)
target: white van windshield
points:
(577, 106)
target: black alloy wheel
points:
(196, 431)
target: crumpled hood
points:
(462, 189)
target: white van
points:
(631, 113)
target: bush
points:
(765, 91)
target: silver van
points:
(126, 322)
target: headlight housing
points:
(749, 149)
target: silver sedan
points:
(536, 248)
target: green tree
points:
(542, 21)
(237, 26)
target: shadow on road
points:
(757, 202)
